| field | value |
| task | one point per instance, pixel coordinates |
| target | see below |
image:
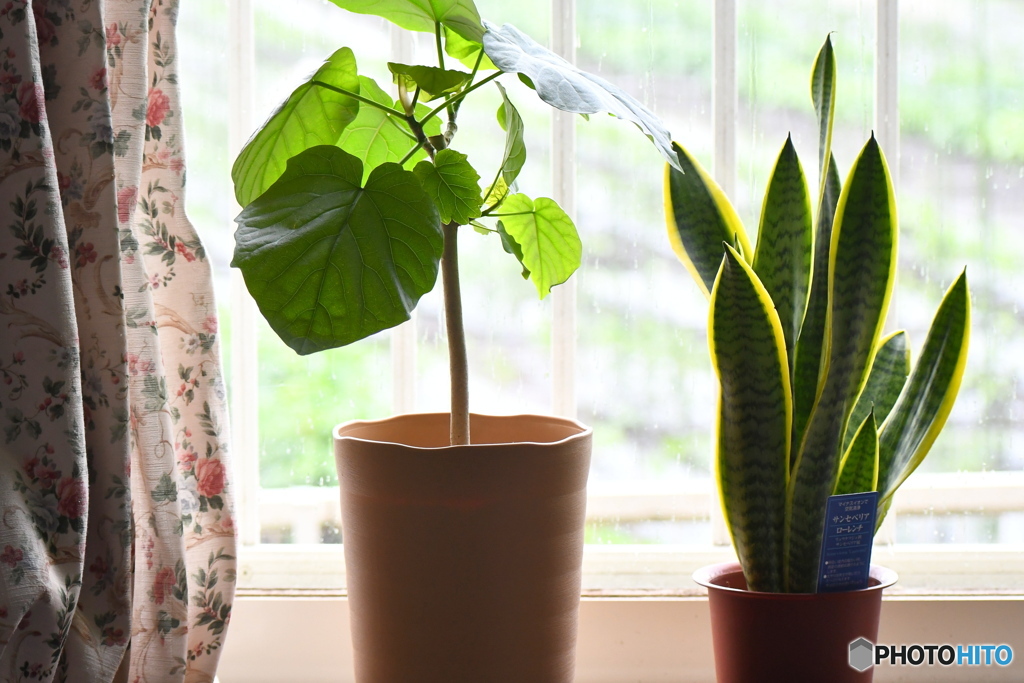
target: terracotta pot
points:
(463, 562)
(791, 637)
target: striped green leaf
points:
(921, 410)
(749, 355)
(823, 95)
(782, 259)
(861, 272)
(700, 219)
(888, 374)
(858, 471)
(809, 346)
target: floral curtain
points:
(116, 534)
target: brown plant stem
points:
(458, 366)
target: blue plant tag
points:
(846, 547)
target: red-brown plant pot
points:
(463, 562)
(791, 637)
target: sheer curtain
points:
(116, 533)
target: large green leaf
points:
(861, 272)
(700, 219)
(311, 116)
(431, 80)
(783, 257)
(514, 158)
(889, 371)
(551, 247)
(376, 137)
(461, 16)
(923, 406)
(466, 51)
(453, 184)
(749, 354)
(858, 471)
(330, 261)
(811, 342)
(565, 87)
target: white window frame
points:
(290, 622)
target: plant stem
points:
(459, 95)
(458, 366)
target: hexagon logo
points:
(862, 654)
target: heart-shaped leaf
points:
(311, 116)
(330, 261)
(514, 158)
(375, 137)
(431, 80)
(453, 184)
(466, 51)
(565, 87)
(461, 16)
(551, 247)
(509, 244)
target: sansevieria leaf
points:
(461, 16)
(861, 272)
(312, 115)
(888, 374)
(749, 355)
(811, 341)
(700, 219)
(783, 257)
(823, 95)
(568, 88)
(550, 246)
(858, 470)
(921, 410)
(331, 261)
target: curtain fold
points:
(116, 532)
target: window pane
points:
(961, 189)
(643, 370)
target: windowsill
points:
(666, 639)
(663, 571)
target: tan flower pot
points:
(463, 562)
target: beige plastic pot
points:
(463, 562)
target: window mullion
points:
(563, 181)
(723, 112)
(403, 337)
(244, 367)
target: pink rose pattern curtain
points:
(116, 533)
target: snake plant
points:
(813, 400)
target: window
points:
(624, 345)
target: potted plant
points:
(813, 400)
(463, 533)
